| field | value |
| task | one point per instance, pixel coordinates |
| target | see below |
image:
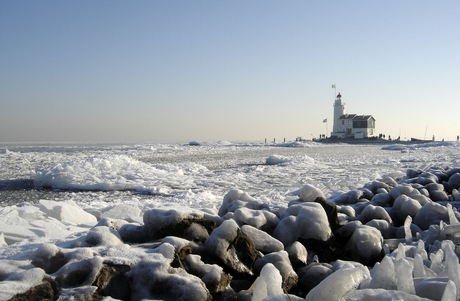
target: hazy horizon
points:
(235, 71)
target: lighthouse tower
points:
(339, 110)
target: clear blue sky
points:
(225, 70)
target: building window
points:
(343, 122)
(349, 122)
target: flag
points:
(333, 86)
(324, 120)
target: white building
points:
(351, 125)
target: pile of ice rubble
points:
(386, 241)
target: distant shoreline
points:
(372, 141)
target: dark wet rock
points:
(331, 212)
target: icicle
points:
(450, 292)
(404, 278)
(401, 252)
(453, 270)
(452, 218)
(407, 231)
(419, 267)
(421, 250)
(436, 261)
(456, 195)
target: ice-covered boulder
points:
(281, 261)
(348, 198)
(306, 220)
(431, 213)
(261, 219)
(182, 222)
(232, 247)
(263, 242)
(154, 278)
(235, 199)
(100, 236)
(374, 212)
(365, 245)
(211, 274)
(309, 193)
(26, 284)
(312, 275)
(297, 254)
(268, 284)
(79, 272)
(49, 257)
(338, 284)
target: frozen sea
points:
(199, 174)
(98, 176)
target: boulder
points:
(263, 242)
(365, 245)
(233, 248)
(281, 261)
(305, 220)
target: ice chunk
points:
(121, 211)
(268, 283)
(67, 212)
(338, 284)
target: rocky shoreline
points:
(393, 238)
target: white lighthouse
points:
(339, 111)
(351, 125)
